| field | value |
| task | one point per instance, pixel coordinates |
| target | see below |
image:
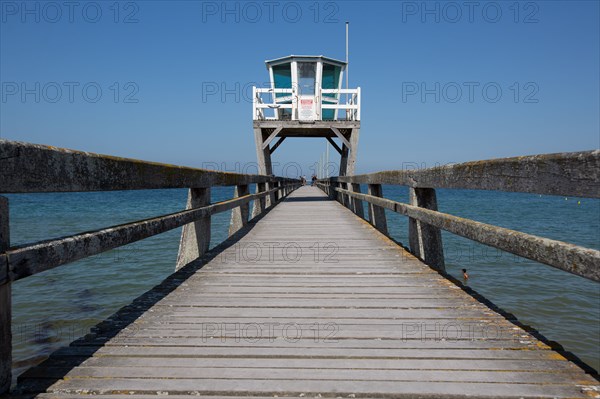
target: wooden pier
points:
(306, 298)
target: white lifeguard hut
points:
(306, 99)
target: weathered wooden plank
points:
(574, 174)
(128, 360)
(205, 293)
(131, 396)
(342, 388)
(32, 168)
(247, 332)
(308, 352)
(139, 348)
(539, 377)
(357, 303)
(571, 258)
(316, 315)
(134, 396)
(315, 292)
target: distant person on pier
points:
(314, 180)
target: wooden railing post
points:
(195, 237)
(260, 204)
(357, 205)
(425, 240)
(341, 196)
(377, 213)
(5, 303)
(269, 199)
(275, 196)
(347, 198)
(239, 215)
(335, 195)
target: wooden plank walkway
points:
(311, 302)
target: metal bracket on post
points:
(195, 237)
(376, 213)
(5, 303)
(239, 215)
(425, 240)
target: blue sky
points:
(154, 60)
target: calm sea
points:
(55, 307)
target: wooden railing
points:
(567, 174)
(29, 168)
(266, 99)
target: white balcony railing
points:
(266, 105)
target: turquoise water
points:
(55, 307)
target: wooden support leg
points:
(351, 163)
(195, 237)
(344, 160)
(239, 215)
(377, 213)
(5, 303)
(262, 155)
(348, 160)
(357, 205)
(425, 240)
(260, 204)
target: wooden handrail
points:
(29, 259)
(568, 174)
(574, 259)
(34, 168)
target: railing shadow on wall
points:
(31, 168)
